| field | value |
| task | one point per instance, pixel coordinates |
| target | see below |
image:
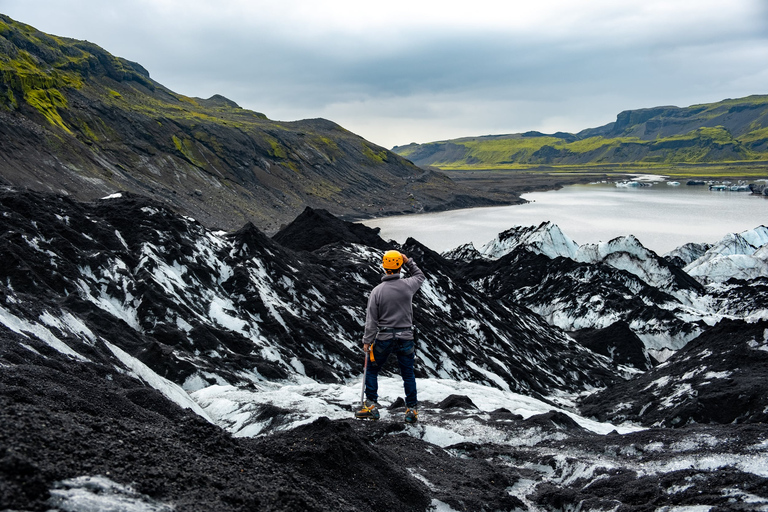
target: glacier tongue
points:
(106, 309)
(621, 280)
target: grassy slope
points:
(78, 120)
(727, 131)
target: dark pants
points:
(405, 352)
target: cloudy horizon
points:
(398, 72)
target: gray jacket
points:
(390, 304)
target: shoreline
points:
(493, 182)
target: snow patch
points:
(439, 506)
(171, 390)
(27, 328)
(220, 313)
(100, 494)
(717, 375)
(236, 409)
(71, 323)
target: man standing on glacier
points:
(389, 328)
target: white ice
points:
(100, 494)
(27, 328)
(171, 390)
(235, 409)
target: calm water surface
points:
(662, 217)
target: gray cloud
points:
(426, 74)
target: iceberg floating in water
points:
(632, 184)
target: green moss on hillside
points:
(186, 147)
(731, 130)
(48, 102)
(376, 157)
(278, 151)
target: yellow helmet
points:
(392, 260)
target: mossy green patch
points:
(88, 131)
(598, 143)
(406, 151)
(47, 102)
(187, 148)
(754, 135)
(324, 189)
(291, 165)
(377, 157)
(186, 99)
(278, 151)
(717, 134)
(209, 140)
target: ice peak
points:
(740, 255)
(546, 238)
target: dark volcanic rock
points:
(557, 419)
(471, 484)
(315, 228)
(66, 419)
(323, 451)
(106, 307)
(617, 342)
(719, 377)
(457, 401)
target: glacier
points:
(149, 362)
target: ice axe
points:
(365, 371)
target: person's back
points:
(389, 328)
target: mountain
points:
(594, 286)
(727, 131)
(74, 119)
(150, 363)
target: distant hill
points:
(76, 120)
(727, 131)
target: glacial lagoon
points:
(661, 216)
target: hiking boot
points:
(411, 415)
(370, 411)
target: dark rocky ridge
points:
(163, 270)
(719, 377)
(76, 120)
(617, 342)
(577, 290)
(315, 228)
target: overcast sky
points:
(401, 71)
